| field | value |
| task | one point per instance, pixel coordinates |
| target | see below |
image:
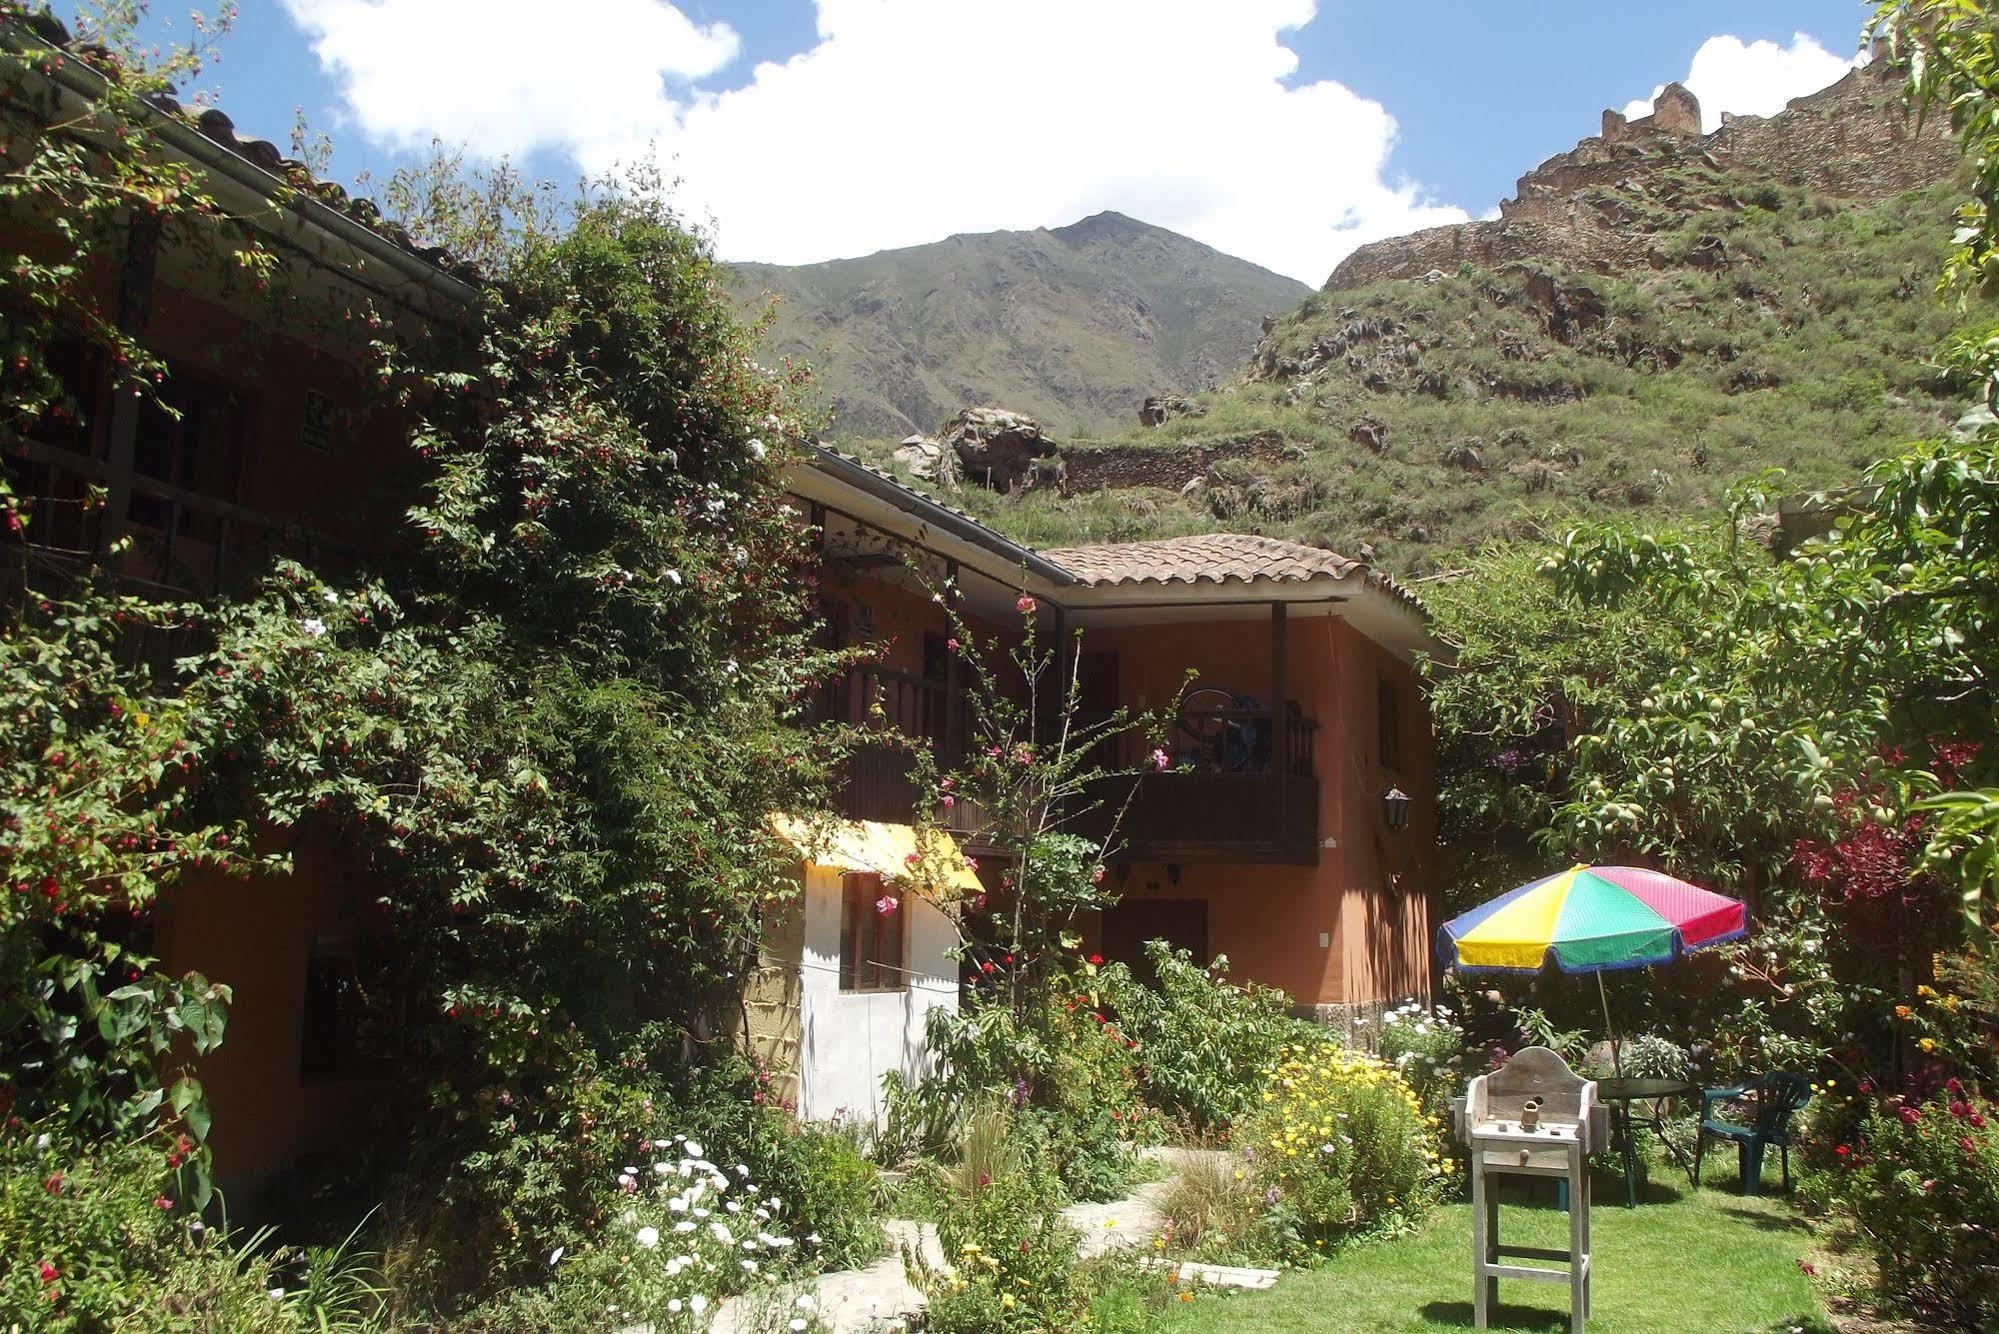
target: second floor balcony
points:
(1241, 787)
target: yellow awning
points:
(893, 850)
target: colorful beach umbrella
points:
(1589, 919)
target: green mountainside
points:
(1074, 326)
(1655, 317)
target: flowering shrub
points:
(1009, 1261)
(1203, 1041)
(1426, 1047)
(1341, 1145)
(1922, 1185)
(98, 1239)
(694, 1231)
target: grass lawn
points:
(1681, 1261)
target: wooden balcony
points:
(877, 782)
(1227, 799)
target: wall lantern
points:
(1395, 810)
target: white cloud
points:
(910, 119)
(504, 76)
(1752, 78)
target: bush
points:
(1427, 1049)
(1922, 1185)
(1010, 1261)
(1205, 1040)
(1342, 1147)
(1071, 1074)
(92, 1238)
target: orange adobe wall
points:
(1368, 895)
(256, 935)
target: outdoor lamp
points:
(1395, 809)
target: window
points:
(872, 940)
(349, 1021)
(1389, 714)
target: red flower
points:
(1965, 1143)
(1909, 1115)
(49, 1272)
(1096, 959)
(162, 1203)
(1024, 605)
(54, 1184)
(1843, 1151)
(986, 966)
(1960, 1109)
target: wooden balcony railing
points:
(183, 543)
(1225, 798)
(877, 782)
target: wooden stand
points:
(1545, 1158)
(1534, 1117)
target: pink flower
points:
(912, 859)
(887, 904)
(972, 865)
(1909, 1115)
(951, 644)
(1025, 605)
(947, 783)
(1160, 760)
(948, 801)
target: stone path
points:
(881, 1297)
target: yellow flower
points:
(1927, 1044)
(1903, 1012)
(1006, 1300)
(1926, 990)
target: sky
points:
(1287, 132)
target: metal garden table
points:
(1620, 1095)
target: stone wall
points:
(1169, 466)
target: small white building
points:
(852, 969)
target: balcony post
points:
(135, 299)
(954, 676)
(1280, 713)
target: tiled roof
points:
(1216, 558)
(1207, 558)
(261, 153)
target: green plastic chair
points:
(1776, 1098)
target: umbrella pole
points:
(1616, 1066)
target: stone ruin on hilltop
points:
(1852, 139)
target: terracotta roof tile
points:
(1217, 558)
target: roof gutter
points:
(912, 501)
(77, 76)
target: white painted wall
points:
(848, 1040)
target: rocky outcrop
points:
(995, 447)
(927, 461)
(1852, 140)
(1158, 409)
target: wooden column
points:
(135, 300)
(1280, 713)
(954, 676)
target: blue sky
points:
(1281, 130)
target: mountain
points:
(1075, 326)
(1656, 315)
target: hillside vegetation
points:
(1075, 325)
(1652, 322)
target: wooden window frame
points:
(874, 945)
(1388, 720)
